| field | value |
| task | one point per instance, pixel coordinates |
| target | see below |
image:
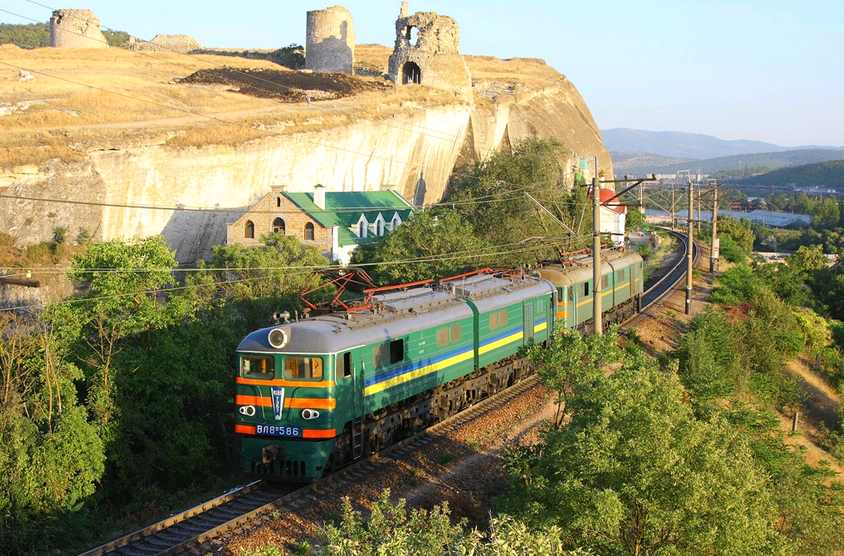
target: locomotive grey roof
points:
(576, 273)
(391, 316)
(394, 315)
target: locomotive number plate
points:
(278, 430)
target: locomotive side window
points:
(257, 366)
(396, 351)
(381, 355)
(442, 337)
(621, 275)
(447, 335)
(454, 333)
(303, 368)
(605, 280)
(585, 288)
(498, 319)
(388, 353)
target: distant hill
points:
(829, 173)
(640, 163)
(687, 145)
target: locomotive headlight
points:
(248, 410)
(309, 414)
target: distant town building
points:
(336, 222)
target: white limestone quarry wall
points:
(367, 155)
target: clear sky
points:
(766, 70)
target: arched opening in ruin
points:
(278, 225)
(410, 73)
(411, 34)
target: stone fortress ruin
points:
(330, 40)
(427, 48)
(433, 58)
(76, 29)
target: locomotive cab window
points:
(303, 368)
(257, 366)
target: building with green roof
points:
(335, 222)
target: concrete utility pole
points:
(715, 244)
(690, 249)
(673, 205)
(596, 255)
(597, 269)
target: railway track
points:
(250, 505)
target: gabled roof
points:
(344, 208)
(616, 205)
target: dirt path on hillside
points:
(662, 330)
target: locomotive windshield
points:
(303, 368)
(257, 366)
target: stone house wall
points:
(275, 205)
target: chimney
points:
(319, 196)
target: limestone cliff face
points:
(188, 194)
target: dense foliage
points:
(829, 173)
(493, 199)
(120, 399)
(392, 529)
(432, 244)
(31, 35)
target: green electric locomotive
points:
(323, 391)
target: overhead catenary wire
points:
(159, 291)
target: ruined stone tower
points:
(433, 56)
(76, 29)
(330, 40)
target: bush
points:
(731, 250)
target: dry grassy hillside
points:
(83, 100)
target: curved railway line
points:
(252, 504)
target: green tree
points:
(807, 259)
(393, 529)
(50, 455)
(739, 231)
(493, 198)
(635, 220)
(635, 473)
(570, 362)
(429, 245)
(124, 280)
